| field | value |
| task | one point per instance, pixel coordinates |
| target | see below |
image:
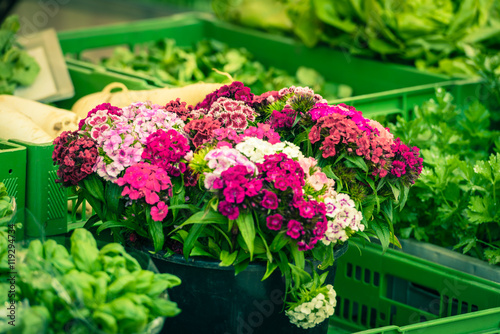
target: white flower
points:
(309, 314)
(255, 149)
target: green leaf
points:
(94, 186)
(298, 256)
(270, 268)
(123, 223)
(192, 237)
(279, 241)
(358, 162)
(155, 229)
(227, 258)
(299, 275)
(205, 217)
(246, 227)
(382, 232)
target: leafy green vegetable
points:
(432, 35)
(455, 201)
(85, 291)
(168, 64)
(17, 68)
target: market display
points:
(191, 186)
(219, 180)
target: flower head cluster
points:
(341, 134)
(76, 157)
(322, 109)
(179, 108)
(308, 314)
(303, 220)
(236, 184)
(407, 162)
(236, 91)
(261, 131)
(166, 149)
(121, 138)
(233, 114)
(343, 218)
(220, 160)
(315, 178)
(295, 94)
(255, 149)
(150, 182)
(106, 108)
(284, 118)
(201, 130)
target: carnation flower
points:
(236, 91)
(76, 157)
(343, 219)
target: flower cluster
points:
(255, 149)
(311, 313)
(149, 182)
(220, 160)
(107, 109)
(201, 130)
(76, 157)
(236, 91)
(166, 149)
(322, 109)
(261, 131)
(343, 218)
(231, 113)
(407, 162)
(284, 118)
(179, 108)
(340, 133)
(122, 138)
(303, 220)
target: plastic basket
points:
(481, 322)
(13, 173)
(372, 81)
(395, 288)
(46, 202)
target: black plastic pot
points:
(214, 300)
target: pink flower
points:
(274, 222)
(234, 194)
(229, 210)
(270, 200)
(294, 229)
(159, 212)
(318, 180)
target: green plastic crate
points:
(13, 173)
(376, 289)
(372, 81)
(481, 322)
(46, 202)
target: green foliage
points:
(455, 203)
(86, 290)
(174, 65)
(17, 68)
(431, 35)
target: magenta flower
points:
(270, 200)
(234, 194)
(294, 229)
(274, 222)
(159, 212)
(229, 210)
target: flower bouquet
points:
(280, 179)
